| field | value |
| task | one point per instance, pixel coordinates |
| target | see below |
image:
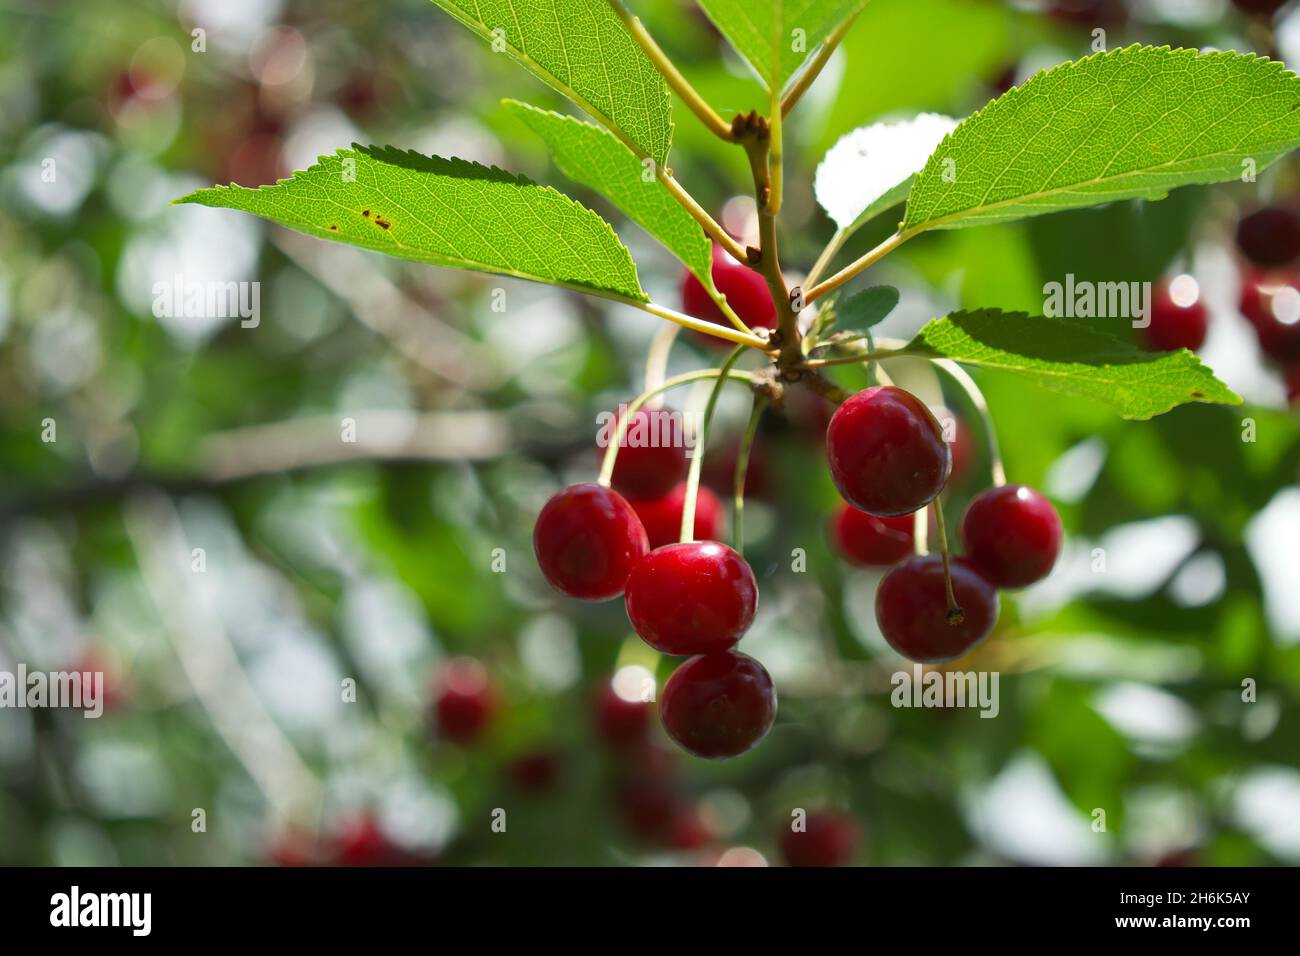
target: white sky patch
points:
(1266, 804)
(1273, 540)
(869, 162)
(1074, 473)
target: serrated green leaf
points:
(776, 36)
(447, 212)
(1074, 359)
(581, 49)
(865, 309)
(589, 155)
(1130, 123)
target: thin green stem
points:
(810, 73)
(701, 442)
(656, 360)
(742, 469)
(853, 268)
(827, 256)
(620, 429)
(679, 84)
(962, 378)
(701, 215)
(955, 613)
(700, 325)
(859, 358)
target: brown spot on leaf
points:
(366, 213)
(381, 222)
(1198, 394)
(334, 227)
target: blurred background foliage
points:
(1121, 675)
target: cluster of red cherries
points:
(697, 598)
(1268, 251)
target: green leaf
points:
(1074, 359)
(589, 155)
(865, 309)
(1130, 123)
(448, 212)
(581, 49)
(776, 36)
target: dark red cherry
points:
(1271, 304)
(534, 771)
(652, 458)
(826, 839)
(464, 699)
(622, 723)
(1270, 236)
(691, 598)
(912, 609)
(688, 830)
(362, 841)
(886, 452)
(1179, 319)
(718, 705)
(1012, 535)
(719, 471)
(1259, 8)
(1088, 13)
(647, 803)
(587, 540)
(662, 517)
(868, 541)
(746, 293)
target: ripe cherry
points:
(1270, 236)
(691, 598)
(623, 723)
(688, 830)
(913, 614)
(868, 541)
(662, 517)
(464, 699)
(534, 771)
(362, 841)
(746, 293)
(1088, 13)
(647, 803)
(886, 452)
(827, 839)
(1271, 304)
(652, 458)
(587, 539)
(1012, 535)
(1179, 319)
(718, 705)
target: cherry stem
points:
(824, 260)
(656, 360)
(679, 84)
(962, 378)
(620, 429)
(853, 268)
(742, 469)
(955, 614)
(701, 439)
(813, 69)
(700, 325)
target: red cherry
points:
(1174, 326)
(718, 705)
(293, 847)
(647, 803)
(1271, 304)
(621, 723)
(652, 458)
(363, 842)
(746, 293)
(688, 831)
(1291, 376)
(464, 699)
(587, 540)
(827, 839)
(1012, 535)
(719, 471)
(868, 541)
(535, 771)
(1270, 236)
(662, 517)
(912, 609)
(696, 597)
(886, 452)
